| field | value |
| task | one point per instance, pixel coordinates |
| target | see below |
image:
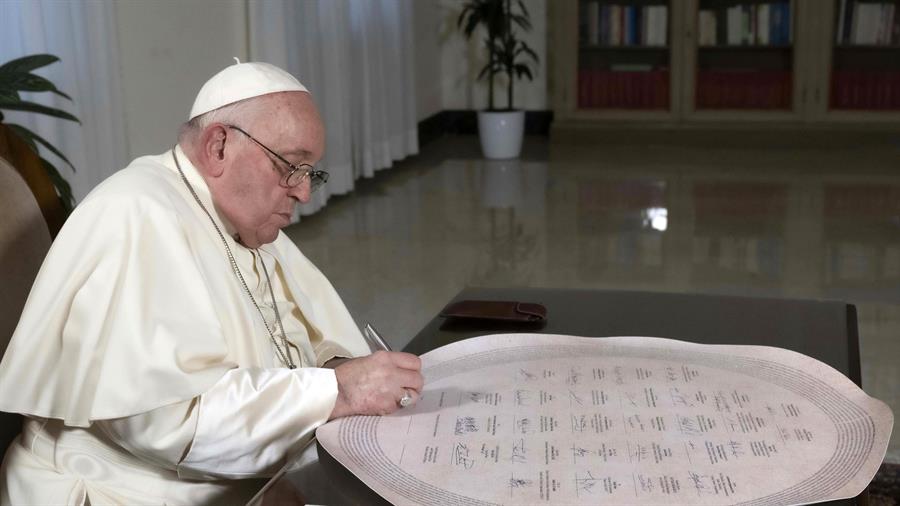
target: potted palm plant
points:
(501, 130)
(19, 145)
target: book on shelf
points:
(707, 28)
(735, 89)
(616, 22)
(762, 31)
(867, 24)
(657, 25)
(735, 35)
(758, 24)
(613, 25)
(865, 90)
(748, 22)
(637, 88)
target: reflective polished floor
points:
(817, 221)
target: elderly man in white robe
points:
(175, 339)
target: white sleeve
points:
(246, 425)
(160, 436)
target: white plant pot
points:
(501, 133)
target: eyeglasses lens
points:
(316, 178)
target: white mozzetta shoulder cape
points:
(136, 305)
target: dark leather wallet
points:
(496, 310)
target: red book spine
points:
(659, 101)
(884, 91)
(589, 89)
(634, 92)
(601, 79)
(618, 98)
(773, 84)
(606, 89)
(718, 95)
(757, 94)
(845, 90)
(620, 101)
(637, 81)
(895, 87)
(869, 92)
(836, 90)
(701, 92)
(647, 90)
(723, 93)
(582, 77)
(664, 88)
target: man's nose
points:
(302, 191)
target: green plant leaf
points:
(28, 63)
(29, 82)
(524, 9)
(529, 51)
(523, 70)
(489, 13)
(31, 137)
(8, 96)
(524, 19)
(38, 108)
(484, 71)
(62, 186)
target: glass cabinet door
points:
(745, 55)
(865, 66)
(624, 55)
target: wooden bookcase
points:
(724, 61)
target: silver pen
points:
(373, 337)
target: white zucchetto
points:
(240, 82)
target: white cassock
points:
(145, 371)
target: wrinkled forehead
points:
(291, 121)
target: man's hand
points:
(373, 385)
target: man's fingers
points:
(406, 360)
(411, 380)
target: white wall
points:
(168, 49)
(426, 36)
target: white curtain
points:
(356, 58)
(82, 34)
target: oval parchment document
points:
(550, 419)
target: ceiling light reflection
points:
(656, 218)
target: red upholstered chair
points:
(24, 241)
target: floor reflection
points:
(781, 222)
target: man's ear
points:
(212, 144)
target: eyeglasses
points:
(297, 173)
